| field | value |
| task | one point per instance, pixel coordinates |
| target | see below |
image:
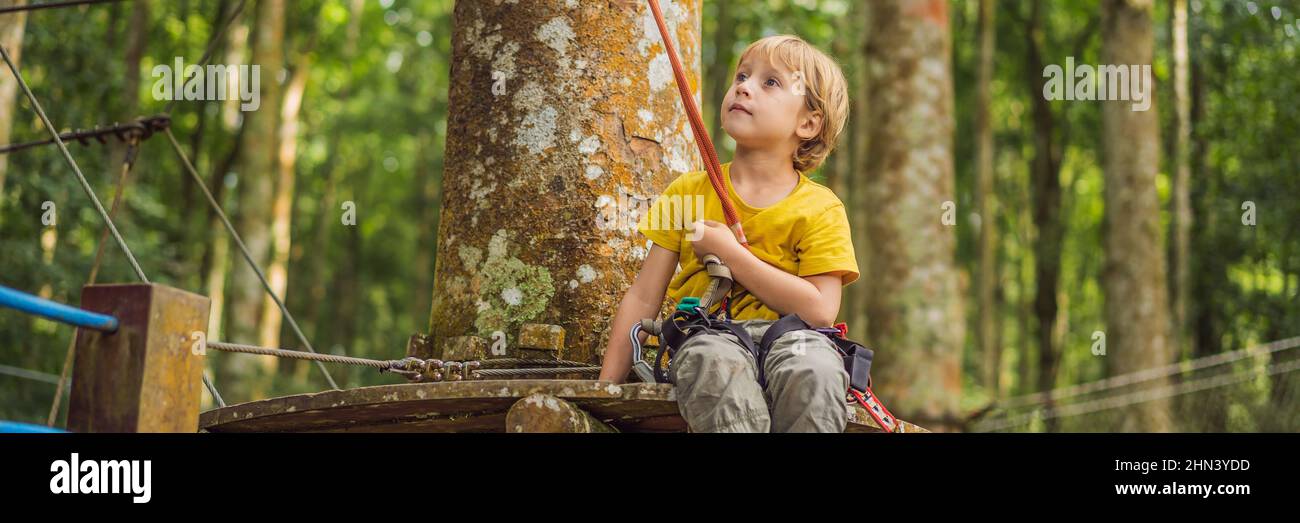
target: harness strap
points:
(857, 363)
(876, 409)
(720, 282)
(785, 325)
(682, 325)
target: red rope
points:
(702, 140)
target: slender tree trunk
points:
(845, 48)
(914, 302)
(327, 218)
(987, 281)
(427, 196)
(855, 182)
(842, 177)
(585, 115)
(724, 36)
(1045, 173)
(282, 208)
(1210, 274)
(1137, 334)
(216, 268)
(256, 173)
(137, 34)
(11, 36)
(328, 213)
(1181, 214)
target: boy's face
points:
(765, 106)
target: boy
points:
(785, 108)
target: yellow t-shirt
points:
(805, 233)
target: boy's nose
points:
(742, 88)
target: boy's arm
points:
(815, 298)
(642, 300)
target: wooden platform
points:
(464, 406)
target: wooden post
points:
(145, 377)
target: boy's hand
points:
(710, 237)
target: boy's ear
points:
(810, 125)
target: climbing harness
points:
(692, 316)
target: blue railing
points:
(59, 312)
(14, 427)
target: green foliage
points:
(374, 121)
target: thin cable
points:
(243, 249)
(505, 373)
(73, 163)
(127, 162)
(298, 355)
(50, 5)
(33, 375)
(99, 207)
(1124, 400)
(1150, 374)
(140, 129)
(531, 361)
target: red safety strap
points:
(876, 409)
(702, 140)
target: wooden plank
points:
(464, 406)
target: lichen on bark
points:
(511, 292)
(554, 106)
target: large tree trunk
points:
(256, 170)
(1137, 334)
(988, 314)
(282, 208)
(914, 303)
(588, 112)
(11, 36)
(1181, 215)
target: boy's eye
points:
(740, 77)
(773, 83)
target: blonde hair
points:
(825, 91)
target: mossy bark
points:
(913, 297)
(1137, 328)
(559, 111)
